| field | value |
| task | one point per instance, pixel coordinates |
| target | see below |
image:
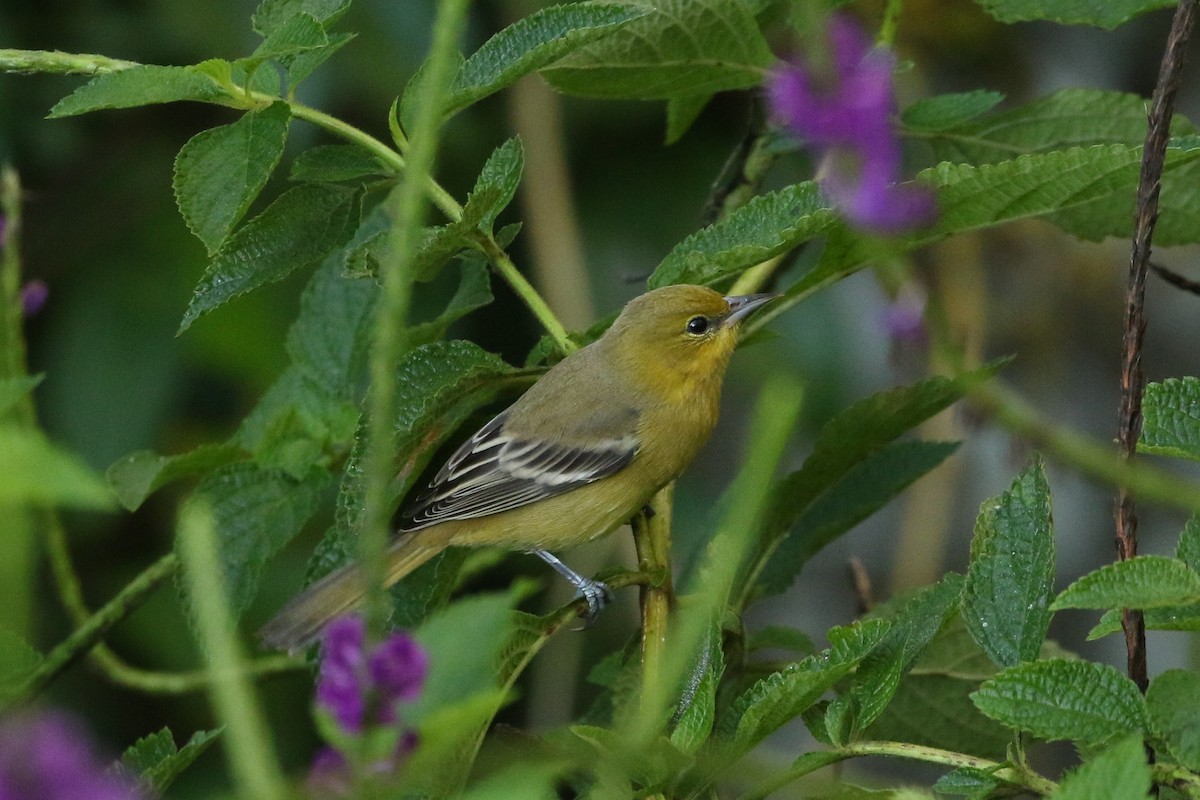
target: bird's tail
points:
(300, 622)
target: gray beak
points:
(741, 306)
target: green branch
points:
(811, 762)
(87, 635)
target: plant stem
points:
(931, 755)
(388, 342)
(891, 20)
(85, 637)
(247, 741)
(1154, 153)
(54, 62)
(652, 538)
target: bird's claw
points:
(597, 595)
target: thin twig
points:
(861, 580)
(1174, 278)
(1132, 378)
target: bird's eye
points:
(697, 325)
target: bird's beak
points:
(741, 306)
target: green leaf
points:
(455, 671)
(1182, 618)
(271, 15)
(783, 695)
(1080, 701)
(948, 111)
(767, 226)
(36, 471)
(857, 494)
(328, 342)
(17, 662)
(1173, 701)
(1172, 418)
(1118, 773)
(974, 784)
(219, 172)
(682, 111)
(1010, 581)
(140, 474)
(1065, 119)
(330, 163)
(1140, 582)
(14, 390)
(1107, 14)
(1188, 549)
(299, 45)
(680, 47)
(912, 628)
(854, 445)
(533, 42)
(295, 231)
(780, 637)
(255, 512)
(694, 719)
(474, 292)
(140, 85)
(156, 762)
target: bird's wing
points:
(495, 471)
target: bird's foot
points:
(597, 595)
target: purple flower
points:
(904, 318)
(48, 756)
(331, 775)
(358, 687)
(33, 297)
(848, 120)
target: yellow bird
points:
(575, 457)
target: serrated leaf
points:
(1064, 119)
(857, 494)
(295, 231)
(533, 42)
(1010, 581)
(220, 172)
(156, 762)
(1172, 418)
(1140, 582)
(783, 695)
(1107, 14)
(141, 85)
(1173, 701)
(857, 439)
(474, 292)
(138, 475)
(693, 721)
(36, 471)
(974, 784)
(912, 628)
(680, 47)
(780, 637)
(330, 163)
(936, 711)
(948, 111)
(1080, 701)
(767, 226)
(254, 512)
(1118, 773)
(1182, 618)
(329, 339)
(17, 662)
(271, 15)
(1092, 180)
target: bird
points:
(575, 457)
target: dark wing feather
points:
(494, 471)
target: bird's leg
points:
(595, 592)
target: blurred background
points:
(102, 231)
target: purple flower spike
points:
(904, 318)
(849, 123)
(33, 297)
(354, 681)
(342, 688)
(48, 756)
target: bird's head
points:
(677, 336)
